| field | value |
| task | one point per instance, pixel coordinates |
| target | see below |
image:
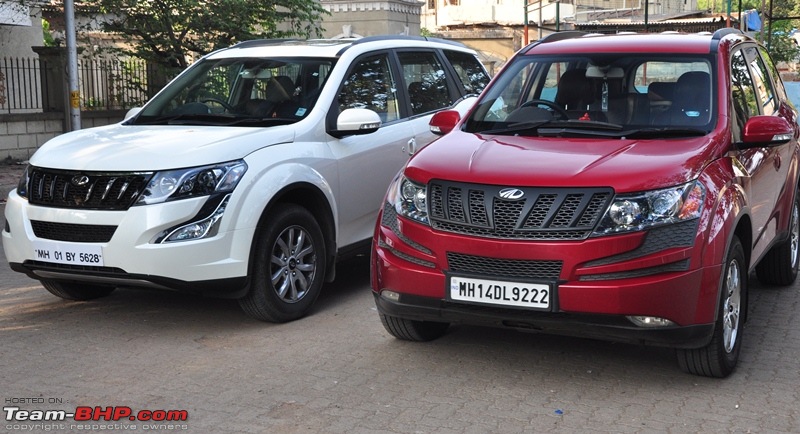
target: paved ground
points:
(338, 371)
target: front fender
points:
(727, 215)
(270, 171)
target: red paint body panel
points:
(679, 44)
(627, 165)
(639, 296)
(749, 193)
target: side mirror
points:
(766, 130)
(356, 121)
(444, 121)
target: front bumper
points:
(216, 265)
(601, 327)
(599, 282)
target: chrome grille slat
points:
(99, 191)
(122, 190)
(52, 190)
(541, 214)
(109, 184)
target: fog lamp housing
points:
(390, 295)
(650, 321)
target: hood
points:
(625, 165)
(148, 148)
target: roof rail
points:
(263, 42)
(400, 38)
(558, 36)
(406, 38)
(721, 33)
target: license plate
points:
(67, 253)
(500, 292)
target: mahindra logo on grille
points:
(80, 180)
(511, 193)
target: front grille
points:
(85, 190)
(73, 232)
(518, 268)
(540, 214)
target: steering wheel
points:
(549, 104)
(224, 104)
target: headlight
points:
(409, 199)
(192, 182)
(22, 185)
(638, 211)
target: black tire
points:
(718, 358)
(76, 291)
(410, 330)
(288, 266)
(779, 266)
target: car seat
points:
(691, 105)
(576, 93)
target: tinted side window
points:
(426, 81)
(773, 72)
(743, 94)
(469, 70)
(370, 85)
(762, 82)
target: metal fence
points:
(31, 85)
(20, 85)
(112, 84)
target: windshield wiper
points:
(261, 121)
(645, 133)
(224, 120)
(578, 128)
(561, 127)
(515, 128)
(184, 119)
(602, 129)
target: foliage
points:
(172, 32)
(49, 40)
(781, 47)
(721, 6)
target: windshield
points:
(240, 91)
(623, 94)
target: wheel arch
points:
(728, 216)
(310, 197)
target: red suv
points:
(614, 187)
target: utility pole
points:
(72, 67)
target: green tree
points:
(49, 41)
(172, 32)
(721, 6)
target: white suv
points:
(246, 177)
